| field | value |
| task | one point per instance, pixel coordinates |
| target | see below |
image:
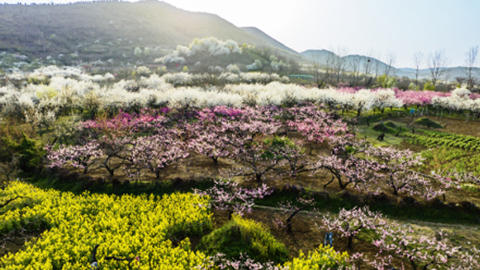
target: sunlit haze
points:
(399, 27)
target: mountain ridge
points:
(107, 30)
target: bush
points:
(244, 236)
(233, 69)
(321, 258)
(30, 151)
(429, 86)
(386, 82)
(412, 86)
(137, 52)
(424, 121)
(390, 124)
(143, 71)
(383, 128)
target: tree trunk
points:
(414, 265)
(289, 219)
(333, 178)
(342, 186)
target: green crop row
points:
(434, 139)
(444, 158)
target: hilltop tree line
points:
(340, 69)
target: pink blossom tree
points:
(454, 180)
(246, 138)
(77, 156)
(345, 166)
(424, 252)
(349, 223)
(228, 196)
(116, 150)
(289, 208)
(315, 124)
(293, 155)
(157, 152)
(243, 262)
(212, 139)
(396, 171)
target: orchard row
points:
(258, 140)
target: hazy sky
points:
(401, 27)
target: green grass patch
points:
(390, 139)
(244, 236)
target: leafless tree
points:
(340, 61)
(376, 66)
(367, 64)
(329, 66)
(390, 61)
(417, 60)
(315, 56)
(437, 62)
(355, 66)
(470, 60)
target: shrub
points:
(383, 128)
(143, 71)
(233, 69)
(424, 121)
(386, 82)
(244, 236)
(46, 92)
(412, 86)
(30, 151)
(390, 124)
(321, 258)
(137, 52)
(429, 86)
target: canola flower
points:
(124, 226)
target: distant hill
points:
(319, 56)
(109, 30)
(322, 55)
(450, 72)
(268, 39)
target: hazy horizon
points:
(401, 28)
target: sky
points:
(374, 27)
